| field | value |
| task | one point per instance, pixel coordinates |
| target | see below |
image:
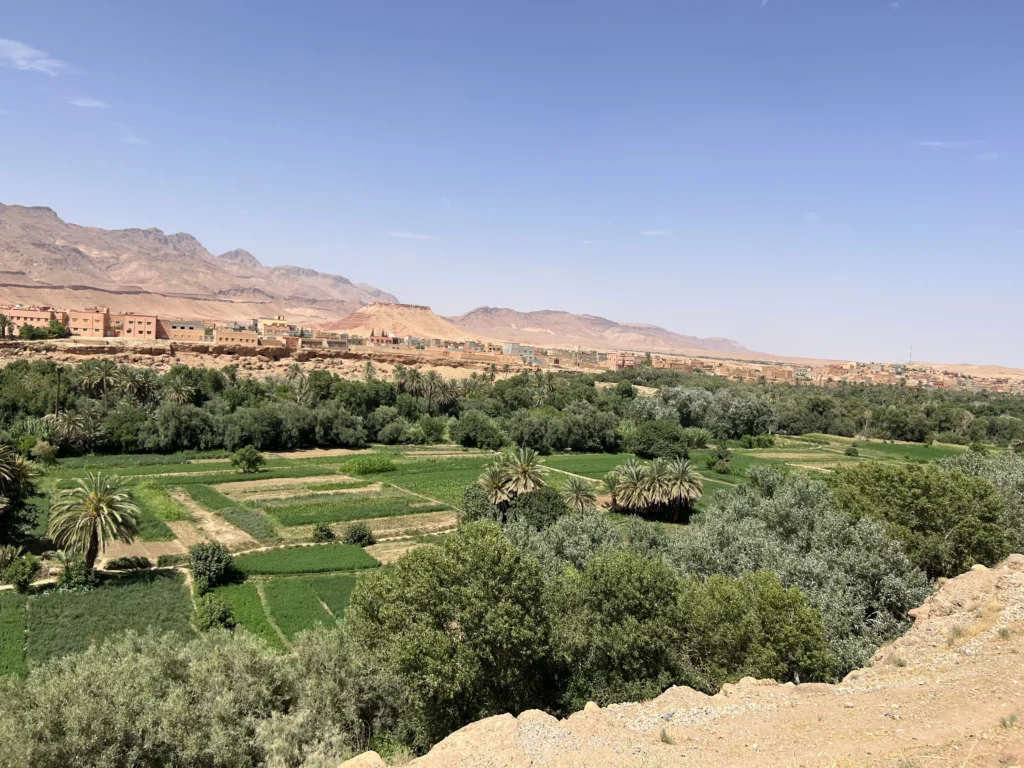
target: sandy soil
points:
(943, 695)
(148, 549)
(389, 551)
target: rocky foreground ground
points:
(948, 693)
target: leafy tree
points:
(85, 519)
(21, 572)
(538, 508)
(213, 613)
(463, 623)
(322, 532)
(475, 429)
(616, 630)
(17, 484)
(476, 502)
(359, 533)
(947, 521)
(660, 437)
(211, 565)
(248, 459)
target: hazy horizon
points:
(809, 179)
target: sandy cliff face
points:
(945, 694)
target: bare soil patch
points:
(314, 453)
(389, 551)
(287, 494)
(233, 489)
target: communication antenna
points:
(911, 360)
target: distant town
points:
(32, 322)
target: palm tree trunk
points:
(92, 552)
(104, 394)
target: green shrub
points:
(541, 508)
(747, 441)
(21, 573)
(368, 465)
(322, 532)
(852, 451)
(44, 453)
(128, 564)
(357, 533)
(723, 467)
(248, 459)
(75, 576)
(211, 564)
(697, 437)
(212, 612)
(764, 441)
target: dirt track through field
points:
(213, 526)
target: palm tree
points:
(658, 483)
(505, 369)
(295, 373)
(432, 384)
(137, 383)
(6, 327)
(74, 428)
(494, 481)
(87, 518)
(16, 476)
(492, 371)
(398, 374)
(632, 485)
(177, 391)
(99, 375)
(369, 372)
(611, 483)
(685, 486)
(579, 495)
(414, 382)
(523, 466)
(302, 392)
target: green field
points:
(324, 558)
(294, 606)
(247, 608)
(12, 634)
(344, 507)
(65, 622)
(592, 465)
(157, 508)
(441, 479)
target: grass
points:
(1009, 721)
(208, 497)
(316, 559)
(138, 459)
(12, 634)
(337, 486)
(236, 477)
(335, 591)
(247, 608)
(441, 479)
(904, 452)
(157, 508)
(252, 521)
(955, 634)
(66, 622)
(592, 465)
(294, 606)
(304, 510)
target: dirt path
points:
(314, 453)
(148, 549)
(212, 526)
(948, 694)
(186, 533)
(389, 551)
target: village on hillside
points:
(31, 322)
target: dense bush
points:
(213, 613)
(138, 563)
(946, 520)
(475, 429)
(21, 573)
(540, 508)
(322, 532)
(862, 582)
(660, 437)
(358, 533)
(248, 459)
(211, 565)
(1006, 472)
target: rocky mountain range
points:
(549, 327)
(45, 260)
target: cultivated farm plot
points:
(317, 558)
(64, 622)
(299, 603)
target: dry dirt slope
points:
(946, 694)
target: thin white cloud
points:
(17, 55)
(408, 236)
(987, 157)
(84, 101)
(130, 136)
(654, 232)
(948, 144)
(812, 217)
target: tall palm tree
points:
(295, 372)
(578, 494)
(6, 327)
(74, 428)
(99, 375)
(492, 371)
(432, 384)
(611, 483)
(369, 372)
(398, 374)
(524, 468)
(494, 482)
(16, 476)
(139, 384)
(414, 382)
(302, 392)
(685, 486)
(87, 518)
(506, 368)
(658, 483)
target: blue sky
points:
(812, 177)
